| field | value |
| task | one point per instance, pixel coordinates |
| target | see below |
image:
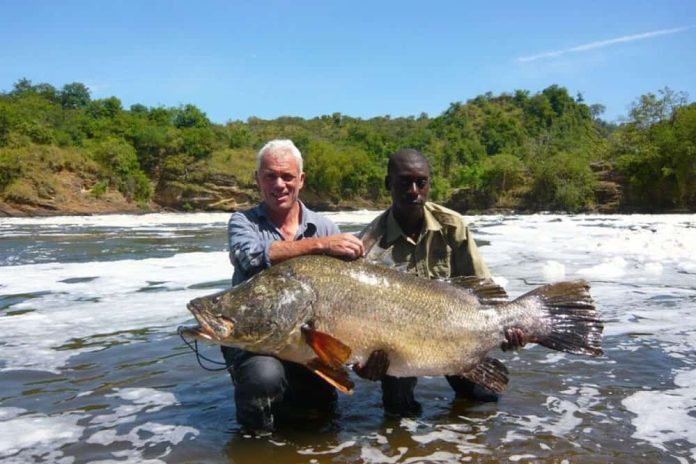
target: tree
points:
(105, 108)
(651, 109)
(189, 116)
(120, 165)
(564, 182)
(74, 96)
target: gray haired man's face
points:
(280, 181)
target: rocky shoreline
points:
(224, 194)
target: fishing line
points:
(194, 347)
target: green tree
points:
(74, 96)
(651, 109)
(502, 173)
(120, 166)
(188, 116)
(563, 182)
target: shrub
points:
(563, 181)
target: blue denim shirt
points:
(251, 232)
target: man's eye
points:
(420, 182)
(288, 177)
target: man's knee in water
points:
(261, 376)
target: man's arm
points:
(341, 245)
(248, 248)
(253, 253)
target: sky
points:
(270, 58)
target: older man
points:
(279, 228)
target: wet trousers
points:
(265, 387)
(399, 399)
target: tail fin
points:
(572, 323)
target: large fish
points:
(326, 313)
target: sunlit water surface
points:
(92, 370)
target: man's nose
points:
(412, 188)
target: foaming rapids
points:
(93, 371)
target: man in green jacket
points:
(431, 241)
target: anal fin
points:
(490, 373)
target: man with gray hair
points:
(279, 228)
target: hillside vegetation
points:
(63, 152)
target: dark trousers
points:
(266, 387)
(398, 393)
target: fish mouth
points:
(211, 327)
(195, 332)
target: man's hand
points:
(375, 367)
(343, 245)
(514, 339)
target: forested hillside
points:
(63, 152)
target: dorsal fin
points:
(485, 289)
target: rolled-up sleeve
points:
(249, 249)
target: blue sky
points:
(236, 59)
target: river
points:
(92, 369)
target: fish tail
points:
(569, 320)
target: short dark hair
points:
(405, 153)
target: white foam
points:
(372, 455)
(665, 416)
(32, 436)
(562, 419)
(120, 220)
(352, 217)
(106, 306)
(139, 402)
(333, 450)
(553, 271)
(437, 456)
(611, 268)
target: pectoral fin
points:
(490, 373)
(330, 351)
(336, 376)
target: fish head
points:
(261, 314)
(213, 325)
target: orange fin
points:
(331, 351)
(338, 377)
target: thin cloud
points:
(602, 44)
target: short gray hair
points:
(279, 146)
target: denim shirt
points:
(251, 232)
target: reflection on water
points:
(93, 370)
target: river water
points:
(92, 370)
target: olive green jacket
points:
(445, 247)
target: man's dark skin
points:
(408, 181)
